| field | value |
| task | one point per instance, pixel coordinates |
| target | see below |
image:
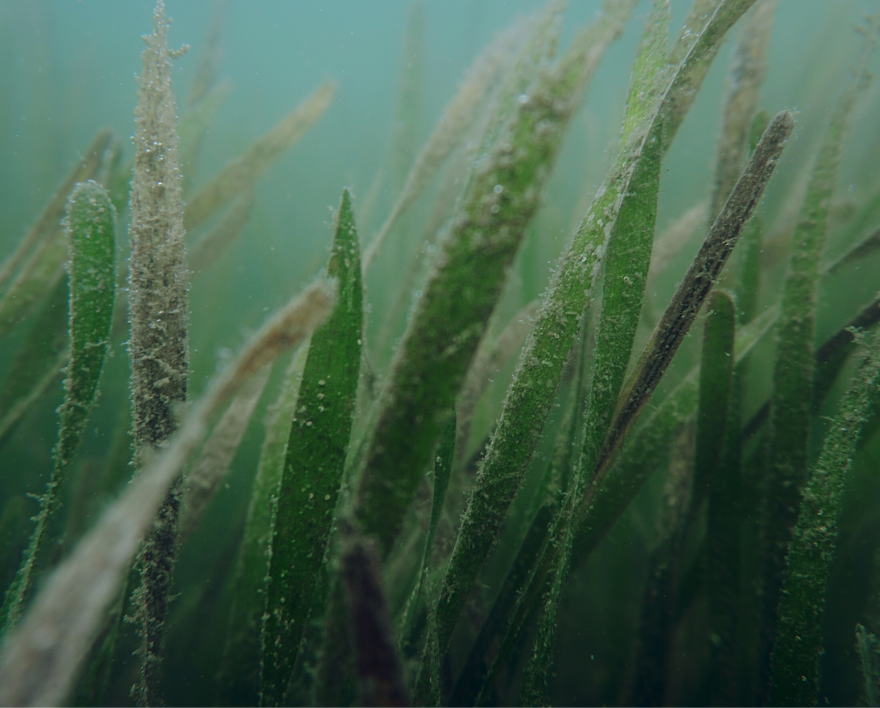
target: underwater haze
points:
(439, 352)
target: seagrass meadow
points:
(570, 398)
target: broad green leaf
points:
(313, 465)
(240, 669)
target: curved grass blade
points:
(13, 536)
(687, 302)
(795, 662)
(408, 108)
(695, 286)
(626, 262)
(867, 646)
(194, 126)
(204, 479)
(240, 670)
(212, 245)
(649, 678)
(211, 55)
(313, 466)
(488, 360)
(644, 453)
(747, 70)
(442, 470)
(47, 225)
(476, 678)
(717, 479)
(73, 602)
(458, 116)
(241, 173)
(532, 392)
(628, 248)
(793, 374)
(716, 368)
(863, 248)
(91, 227)
(451, 316)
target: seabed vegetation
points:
(546, 427)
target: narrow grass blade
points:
(194, 126)
(698, 17)
(240, 669)
(91, 227)
(47, 226)
(717, 479)
(716, 369)
(650, 671)
(450, 317)
(489, 358)
(475, 678)
(626, 262)
(535, 56)
(643, 454)
(640, 457)
(442, 470)
(13, 537)
(695, 286)
(210, 56)
(336, 677)
(696, 64)
(74, 600)
(628, 248)
(314, 463)
(532, 392)
(748, 286)
(408, 108)
(747, 70)
(790, 404)
(214, 243)
(243, 172)
(868, 648)
(204, 479)
(458, 116)
(795, 662)
(863, 248)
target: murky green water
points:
(68, 69)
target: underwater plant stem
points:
(159, 314)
